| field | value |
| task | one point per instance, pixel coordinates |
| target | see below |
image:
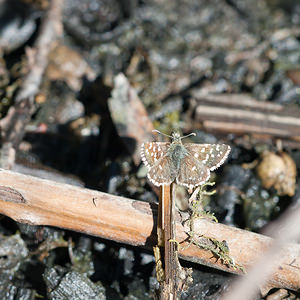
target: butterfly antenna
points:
(161, 133)
(193, 133)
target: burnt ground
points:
(170, 51)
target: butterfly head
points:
(176, 138)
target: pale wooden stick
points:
(41, 202)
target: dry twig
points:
(18, 116)
(240, 114)
(166, 234)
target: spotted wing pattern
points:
(163, 172)
(152, 152)
(192, 172)
(211, 155)
(194, 167)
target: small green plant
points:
(219, 249)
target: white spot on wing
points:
(206, 158)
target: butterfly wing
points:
(160, 168)
(192, 172)
(152, 152)
(163, 172)
(211, 155)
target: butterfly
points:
(187, 164)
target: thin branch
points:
(50, 29)
(18, 116)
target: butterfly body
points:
(186, 164)
(177, 152)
